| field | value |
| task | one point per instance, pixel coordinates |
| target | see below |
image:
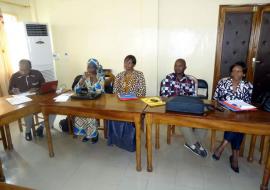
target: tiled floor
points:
(83, 166)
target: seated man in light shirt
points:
(28, 79)
(176, 84)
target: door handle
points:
(254, 61)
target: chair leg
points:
(69, 124)
(173, 129)
(20, 125)
(3, 137)
(213, 140)
(242, 147)
(262, 143)
(36, 118)
(142, 123)
(169, 134)
(33, 128)
(252, 148)
(262, 147)
(157, 145)
(2, 176)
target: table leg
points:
(242, 147)
(48, 134)
(8, 135)
(2, 176)
(105, 129)
(266, 175)
(3, 137)
(266, 150)
(262, 147)
(138, 143)
(149, 142)
(169, 134)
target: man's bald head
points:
(180, 66)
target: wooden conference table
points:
(253, 122)
(108, 106)
(10, 113)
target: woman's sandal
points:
(235, 169)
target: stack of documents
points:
(237, 105)
(127, 96)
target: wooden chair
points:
(36, 122)
(263, 148)
(108, 86)
(171, 128)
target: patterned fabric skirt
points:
(86, 127)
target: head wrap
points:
(94, 62)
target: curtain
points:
(5, 66)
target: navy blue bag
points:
(122, 134)
(185, 104)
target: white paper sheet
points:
(63, 97)
(17, 99)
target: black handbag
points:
(186, 104)
(265, 101)
(63, 124)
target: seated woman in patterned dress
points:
(130, 80)
(233, 88)
(93, 80)
(120, 133)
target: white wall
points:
(188, 29)
(104, 29)
(155, 31)
(21, 9)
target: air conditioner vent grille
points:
(36, 30)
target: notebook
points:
(127, 96)
(237, 105)
(153, 101)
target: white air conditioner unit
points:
(40, 49)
